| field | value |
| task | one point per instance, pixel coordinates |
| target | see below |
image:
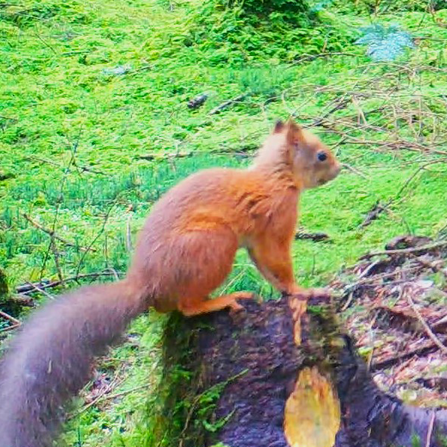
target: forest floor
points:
(95, 125)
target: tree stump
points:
(254, 386)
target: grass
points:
(93, 102)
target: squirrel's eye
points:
(322, 156)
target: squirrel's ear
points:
(294, 132)
(279, 126)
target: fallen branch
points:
(19, 300)
(316, 237)
(228, 103)
(9, 317)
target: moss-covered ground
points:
(94, 126)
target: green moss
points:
(93, 104)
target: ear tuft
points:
(279, 126)
(294, 132)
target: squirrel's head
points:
(290, 147)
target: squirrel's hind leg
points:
(195, 306)
(204, 260)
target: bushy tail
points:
(50, 360)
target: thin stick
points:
(51, 233)
(435, 266)
(354, 170)
(10, 328)
(56, 260)
(38, 289)
(406, 250)
(122, 393)
(29, 287)
(115, 382)
(9, 317)
(413, 176)
(384, 364)
(101, 231)
(129, 247)
(228, 103)
(427, 328)
(59, 203)
(378, 277)
(430, 429)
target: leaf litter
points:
(394, 304)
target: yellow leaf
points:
(312, 413)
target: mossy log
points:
(254, 386)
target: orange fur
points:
(184, 252)
(187, 246)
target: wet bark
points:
(252, 361)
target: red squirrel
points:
(184, 252)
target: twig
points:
(38, 289)
(312, 57)
(115, 382)
(114, 273)
(56, 260)
(316, 237)
(51, 233)
(29, 287)
(129, 235)
(46, 44)
(385, 364)
(122, 393)
(228, 103)
(427, 328)
(413, 176)
(9, 328)
(406, 250)
(59, 202)
(101, 231)
(431, 265)
(378, 277)
(430, 428)
(160, 157)
(9, 317)
(371, 338)
(354, 170)
(53, 163)
(374, 213)
(340, 103)
(86, 169)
